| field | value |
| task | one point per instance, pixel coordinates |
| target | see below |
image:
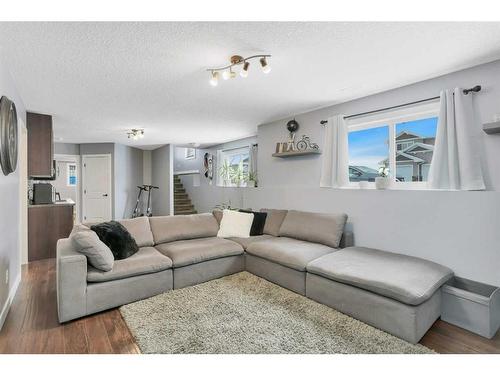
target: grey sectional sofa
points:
(296, 251)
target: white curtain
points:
(456, 163)
(334, 169)
(253, 158)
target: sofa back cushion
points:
(87, 242)
(140, 230)
(274, 220)
(184, 227)
(320, 228)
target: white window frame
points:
(390, 119)
(223, 154)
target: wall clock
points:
(8, 135)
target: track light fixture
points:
(265, 66)
(228, 72)
(244, 71)
(135, 134)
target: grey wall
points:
(205, 197)
(10, 257)
(162, 168)
(128, 175)
(66, 148)
(457, 229)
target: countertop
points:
(67, 202)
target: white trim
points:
(194, 171)
(108, 156)
(8, 302)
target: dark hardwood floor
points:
(32, 326)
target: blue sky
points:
(369, 147)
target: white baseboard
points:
(8, 303)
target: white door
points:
(96, 181)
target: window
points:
(71, 175)
(234, 166)
(189, 153)
(402, 141)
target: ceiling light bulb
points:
(141, 134)
(226, 74)
(265, 67)
(244, 71)
(214, 81)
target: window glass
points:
(234, 166)
(414, 148)
(71, 175)
(368, 151)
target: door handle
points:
(105, 195)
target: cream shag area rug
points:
(243, 313)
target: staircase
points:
(182, 203)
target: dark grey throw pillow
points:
(259, 220)
(117, 238)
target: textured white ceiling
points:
(100, 79)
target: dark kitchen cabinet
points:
(40, 145)
(47, 224)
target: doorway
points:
(97, 188)
(68, 180)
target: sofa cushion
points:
(140, 230)
(87, 242)
(117, 238)
(247, 241)
(401, 277)
(288, 252)
(325, 229)
(235, 224)
(186, 252)
(259, 220)
(274, 220)
(146, 260)
(183, 227)
(218, 215)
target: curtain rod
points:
(476, 88)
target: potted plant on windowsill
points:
(252, 179)
(382, 181)
(239, 175)
(226, 173)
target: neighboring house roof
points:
(419, 146)
(414, 158)
(403, 156)
(405, 134)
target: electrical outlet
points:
(6, 276)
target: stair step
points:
(185, 202)
(183, 206)
(191, 212)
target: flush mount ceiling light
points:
(135, 134)
(236, 60)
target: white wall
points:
(205, 196)
(458, 229)
(10, 257)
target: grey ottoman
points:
(393, 292)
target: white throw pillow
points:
(235, 224)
